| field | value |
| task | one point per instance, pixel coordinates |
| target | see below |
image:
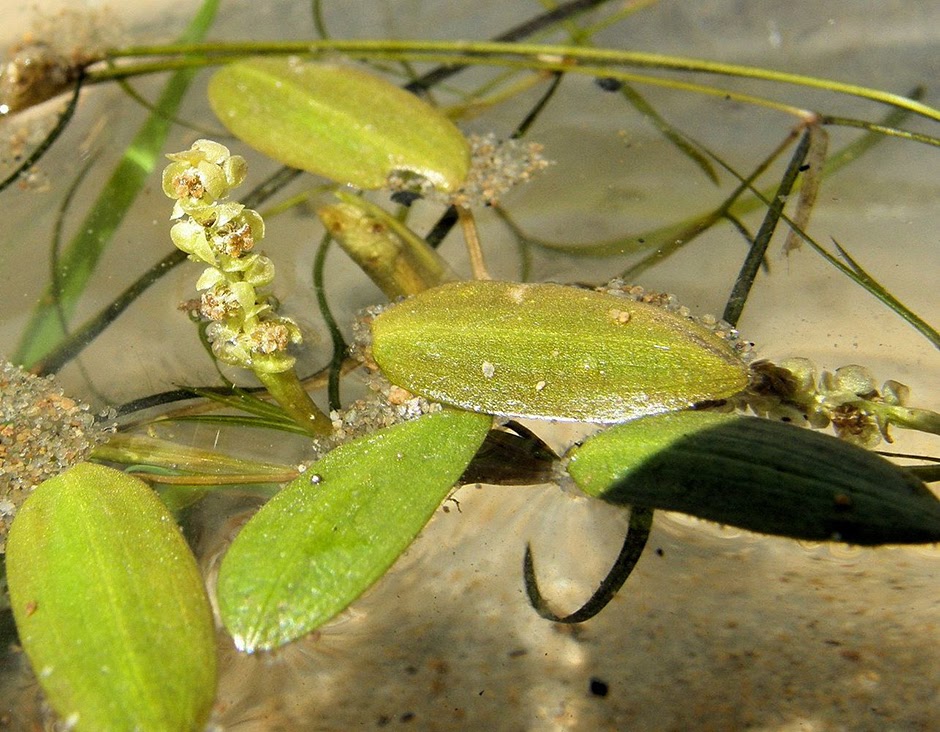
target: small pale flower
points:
(849, 380)
(247, 298)
(202, 175)
(856, 426)
(191, 238)
(270, 336)
(228, 344)
(895, 393)
(219, 303)
(237, 235)
(255, 269)
(210, 277)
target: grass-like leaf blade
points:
(94, 233)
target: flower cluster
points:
(244, 329)
(847, 398)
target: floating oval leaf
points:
(337, 121)
(551, 351)
(329, 535)
(760, 475)
(110, 606)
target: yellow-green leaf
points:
(395, 258)
(337, 121)
(110, 606)
(758, 474)
(329, 535)
(550, 351)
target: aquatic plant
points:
(442, 363)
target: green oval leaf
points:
(330, 534)
(337, 121)
(110, 606)
(552, 352)
(758, 474)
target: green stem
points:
(923, 420)
(287, 390)
(130, 449)
(529, 55)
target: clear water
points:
(717, 629)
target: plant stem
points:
(571, 59)
(287, 390)
(469, 227)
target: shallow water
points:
(716, 629)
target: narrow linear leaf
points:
(757, 252)
(95, 232)
(337, 121)
(663, 239)
(760, 475)
(679, 140)
(110, 606)
(131, 449)
(552, 352)
(330, 534)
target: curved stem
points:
(339, 343)
(638, 532)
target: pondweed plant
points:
(94, 556)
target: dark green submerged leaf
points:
(757, 474)
(330, 534)
(110, 606)
(551, 351)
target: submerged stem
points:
(573, 59)
(638, 532)
(286, 388)
(469, 227)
